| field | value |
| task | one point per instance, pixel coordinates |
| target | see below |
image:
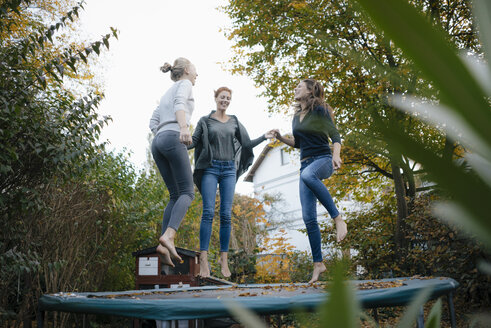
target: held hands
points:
(185, 136)
(336, 158)
(286, 140)
(270, 134)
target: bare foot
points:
(167, 240)
(319, 268)
(164, 255)
(341, 228)
(223, 261)
(204, 270)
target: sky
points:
(151, 33)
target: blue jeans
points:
(221, 173)
(312, 171)
(171, 157)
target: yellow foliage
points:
(274, 266)
(298, 5)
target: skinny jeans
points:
(172, 160)
(220, 174)
(312, 171)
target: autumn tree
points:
(277, 43)
(48, 142)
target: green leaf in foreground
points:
(246, 317)
(435, 315)
(414, 308)
(428, 48)
(342, 309)
(467, 192)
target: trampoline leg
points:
(451, 309)
(375, 315)
(421, 319)
(40, 318)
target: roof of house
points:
(153, 250)
(258, 162)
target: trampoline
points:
(210, 301)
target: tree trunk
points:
(402, 211)
(435, 10)
(408, 176)
(448, 149)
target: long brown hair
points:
(316, 98)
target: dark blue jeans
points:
(312, 171)
(171, 157)
(222, 174)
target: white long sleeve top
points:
(178, 97)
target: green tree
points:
(48, 139)
(279, 42)
(464, 96)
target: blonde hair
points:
(176, 70)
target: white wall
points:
(272, 177)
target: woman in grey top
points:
(223, 152)
(170, 124)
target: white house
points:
(277, 171)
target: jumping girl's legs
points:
(164, 166)
(227, 190)
(221, 173)
(321, 168)
(312, 172)
(172, 160)
(209, 183)
(309, 215)
(312, 175)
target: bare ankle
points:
(169, 234)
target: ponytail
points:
(177, 70)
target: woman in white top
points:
(170, 124)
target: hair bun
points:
(167, 67)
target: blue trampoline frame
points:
(155, 305)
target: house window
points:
(285, 157)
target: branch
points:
(425, 188)
(365, 44)
(378, 169)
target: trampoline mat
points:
(210, 301)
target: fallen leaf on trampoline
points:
(380, 284)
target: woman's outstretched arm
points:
(286, 140)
